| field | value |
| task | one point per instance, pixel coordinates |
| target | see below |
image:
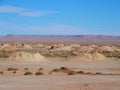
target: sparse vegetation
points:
(15, 69)
(12, 69)
(1, 72)
(80, 72)
(112, 54)
(98, 73)
(56, 70)
(71, 73)
(40, 69)
(39, 73)
(61, 54)
(3, 55)
(28, 73)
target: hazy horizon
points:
(63, 17)
(60, 34)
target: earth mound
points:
(93, 56)
(25, 56)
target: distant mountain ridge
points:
(60, 38)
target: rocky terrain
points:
(36, 51)
(58, 65)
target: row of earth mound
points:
(39, 52)
(26, 56)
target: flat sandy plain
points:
(110, 80)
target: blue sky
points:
(60, 17)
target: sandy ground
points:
(61, 81)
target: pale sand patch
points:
(59, 81)
(26, 56)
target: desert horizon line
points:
(57, 35)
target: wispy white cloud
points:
(54, 29)
(37, 13)
(24, 11)
(30, 14)
(11, 9)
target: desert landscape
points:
(59, 65)
(59, 44)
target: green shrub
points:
(12, 69)
(56, 70)
(80, 72)
(88, 73)
(15, 69)
(38, 73)
(71, 73)
(28, 73)
(4, 54)
(99, 73)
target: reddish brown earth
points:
(93, 66)
(60, 80)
